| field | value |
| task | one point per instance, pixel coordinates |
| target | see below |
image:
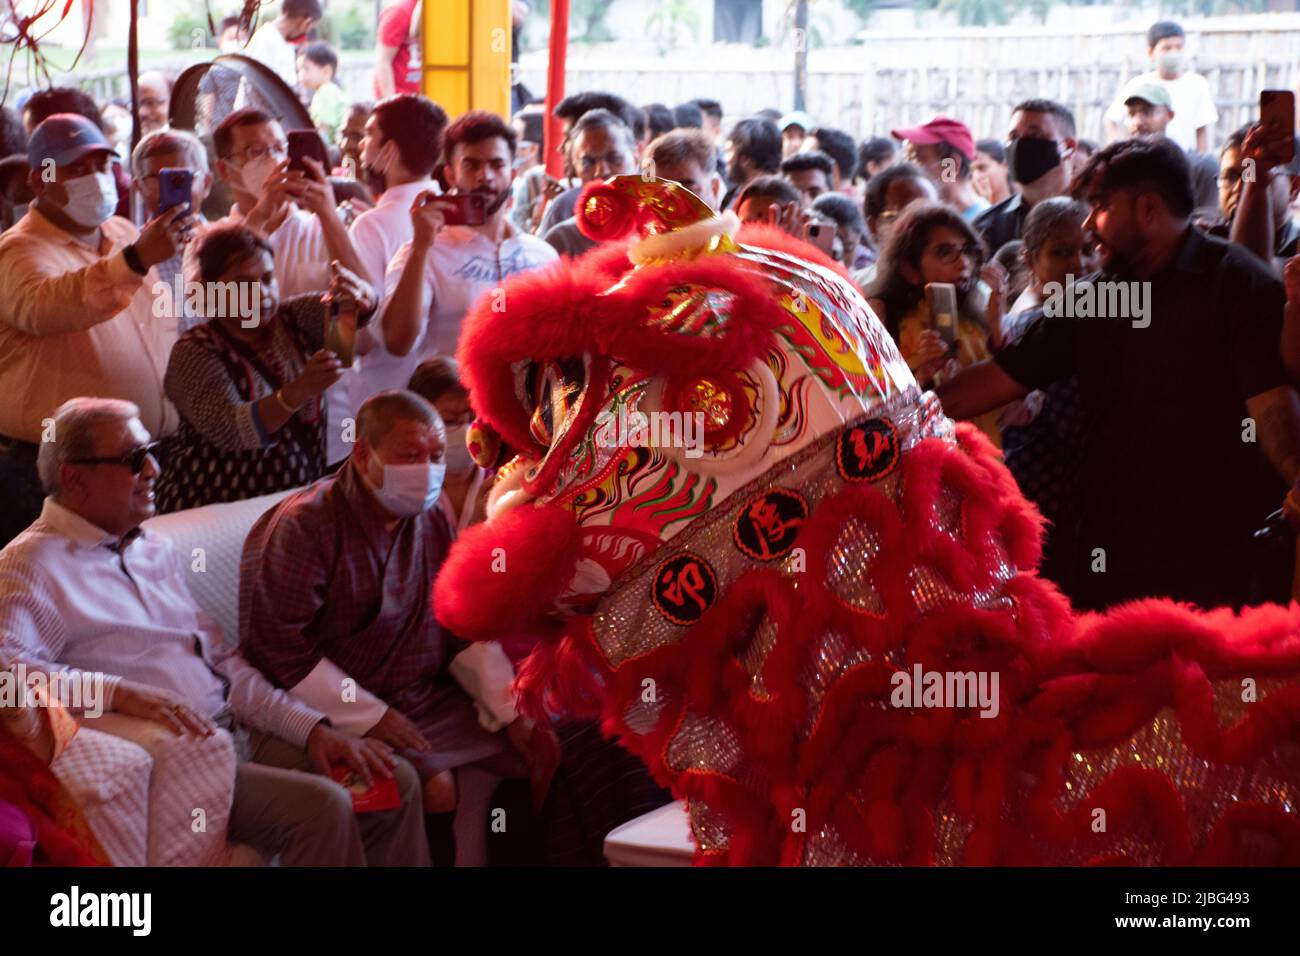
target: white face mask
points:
(91, 198)
(253, 175)
(407, 490)
(457, 455)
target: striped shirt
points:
(75, 599)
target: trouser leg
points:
(390, 837)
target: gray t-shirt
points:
(560, 209)
(567, 239)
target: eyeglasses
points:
(134, 459)
(252, 154)
(949, 252)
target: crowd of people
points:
(1155, 438)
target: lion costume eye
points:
(552, 389)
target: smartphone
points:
(1277, 107)
(175, 188)
(307, 142)
(341, 334)
(463, 209)
(941, 297)
(822, 235)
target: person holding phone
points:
(295, 210)
(932, 243)
(81, 314)
(168, 154)
(452, 260)
(249, 387)
(1256, 207)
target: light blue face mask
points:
(91, 198)
(409, 490)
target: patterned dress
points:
(1046, 456)
(222, 451)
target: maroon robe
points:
(322, 576)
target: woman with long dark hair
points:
(931, 242)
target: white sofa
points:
(217, 534)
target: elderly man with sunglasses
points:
(86, 591)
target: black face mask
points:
(1031, 157)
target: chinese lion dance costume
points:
(735, 612)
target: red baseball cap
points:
(941, 129)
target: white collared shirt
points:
(377, 234)
(70, 602)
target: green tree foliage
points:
(189, 22)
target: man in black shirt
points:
(1041, 157)
(1184, 393)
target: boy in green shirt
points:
(317, 66)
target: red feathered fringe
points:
(897, 784)
(503, 576)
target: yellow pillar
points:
(466, 46)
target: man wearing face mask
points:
(294, 210)
(296, 213)
(79, 317)
(1041, 157)
(335, 596)
(435, 278)
(1191, 103)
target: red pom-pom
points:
(604, 213)
(501, 577)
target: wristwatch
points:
(132, 257)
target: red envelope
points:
(381, 795)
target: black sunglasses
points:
(134, 459)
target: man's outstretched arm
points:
(977, 389)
